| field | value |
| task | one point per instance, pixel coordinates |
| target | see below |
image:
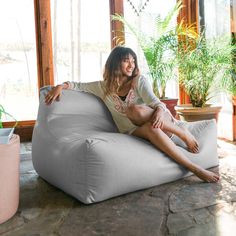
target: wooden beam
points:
(189, 14)
(234, 121)
(44, 42)
(44, 61)
(117, 28)
(24, 129)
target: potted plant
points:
(160, 50)
(204, 66)
(5, 133)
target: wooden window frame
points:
(45, 50)
(44, 61)
(117, 28)
(189, 14)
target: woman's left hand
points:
(158, 118)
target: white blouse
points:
(140, 93)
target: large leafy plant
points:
(229, 84)
(204, 66)
(161, 47)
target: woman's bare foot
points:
(206, 175)
(190, 141)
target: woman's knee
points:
(134, 113)
(147, 131)
(150, 130)
(139, 114)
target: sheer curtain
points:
(81, 39)
(18, 66)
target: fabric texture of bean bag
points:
(77, 148)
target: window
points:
(18, 68)
(141, 14)
(215, 20)
(81, 39)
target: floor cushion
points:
(76, 147)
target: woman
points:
(136, 110)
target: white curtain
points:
(81, 39)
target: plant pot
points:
(9, 178)
(170, 104)
(234, 100)
(187, 112)
(5, 135)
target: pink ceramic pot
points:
(9, 178)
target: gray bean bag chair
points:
(77, 148)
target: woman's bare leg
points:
(140, 114)
(160, 140)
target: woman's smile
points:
(128, 66)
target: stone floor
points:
(183, 207)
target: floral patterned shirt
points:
(141, 92)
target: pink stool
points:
(9, 178)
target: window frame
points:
(44, 47)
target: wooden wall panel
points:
(24, 129)
(117, 29)
(44, 42)
(189, 13)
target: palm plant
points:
(205, 65)
(160, 48)
(230, 83)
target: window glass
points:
(216, 15)
(141, 15)
(81, 39)
(215, 20)
(18, 66)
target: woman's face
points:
(127, 66)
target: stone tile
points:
(194, 196)
(25, 147)
(26, 167)
(223, 225)
(179, 221)
(134, 214)
(184, 207)
(11, 225)
(42, 209)
(209, 229)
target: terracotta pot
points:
(9, 178)
(234, 100)
(187, 112)
(170, 104)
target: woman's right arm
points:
(55, 93)
(90, 87)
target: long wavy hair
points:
(112, 72)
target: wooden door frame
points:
(189, 14)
